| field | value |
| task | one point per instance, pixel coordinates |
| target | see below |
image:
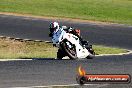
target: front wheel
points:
(69, 49)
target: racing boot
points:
(60, 54)
(84, 43)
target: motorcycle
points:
(70, 45)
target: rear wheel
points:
(92, 53)
(69, 49)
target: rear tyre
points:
(90, 56)
(70, 51)
(91, 51)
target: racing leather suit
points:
(61, 53)
(70, 30)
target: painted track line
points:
(127, 53)
(50, 86)
(69, 85)
(14, 59)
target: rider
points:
(54, 27)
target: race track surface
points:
(58, 72)
(33, 28)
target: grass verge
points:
(16, 49)
(11, 49)
(100, 49)
(118, 11)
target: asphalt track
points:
(62, 72)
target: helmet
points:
(54, 26)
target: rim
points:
(70, 49)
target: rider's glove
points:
(51, 34)
(70, 29)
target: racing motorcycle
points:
(70, 45)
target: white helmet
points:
(54, 26)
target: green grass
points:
(99, 49)
(15, 49)
(118, 11)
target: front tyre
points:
(69, 49)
